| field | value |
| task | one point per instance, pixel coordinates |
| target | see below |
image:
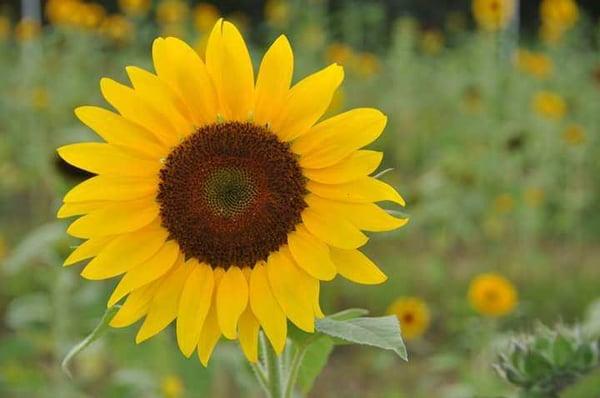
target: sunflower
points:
(413, 315)
(221, 201)
(549, 105)
(493, 15)
(492, 295)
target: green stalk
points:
(274, 370)
(293, 371)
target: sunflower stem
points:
(273, 365)
(293, 371)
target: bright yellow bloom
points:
(205, 16)
(223, 201)
(493, 15)
(504, 203)
(172, 387)
(574, 134)
(492, 295)
(4, 27)
(171, 11)
(432, 41)
(277, 12)
(135, 7)
(413, 315)
(117, 28)
(27, 29)
(536, 64)
(549, 105)
(534, 197)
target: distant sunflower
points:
(223, 202)
(492, 295)
(493, 15)
(413, 315)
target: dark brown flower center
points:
(230, 193)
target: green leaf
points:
(562, 351)
(350, 313)
(98, 331)
(381, 332)
(315, 359)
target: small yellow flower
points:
(205, 16)
(4, 27)
(117, 28)
(559, 13)
(432, 41)
(504, 203)
(574, 134)
(536, 64)
(534, 197)
(367, 64)
(549, 105)
(277, 12)
(413, 315)
(170, 12)
(61, 12)
(172, 387)
(493, 15)
(88, 15)
(134, 7)
(27, 29)
(39, 98)
(339, 53)
(492, 295)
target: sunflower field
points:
(236, 186)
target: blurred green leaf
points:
(315, 359)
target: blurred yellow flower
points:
(504, 203)
(432, 41)
(172, 386)
(559, 13)
(534, 197)
(205, 16)
(312, 36)
(134, 7)
(493, 15)
(549, 105)
(413, 315)
(4, 27)
(534, 63)
(27, 29)
(170, 12)
(87, 15)
(339, 53)
(40, 98)
(492, 295)
(574, 134)
(367, 64)
(277, 12)
(62, 12)
(117, 28)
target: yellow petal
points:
(357, 165)
(124, 253)
(311, 254)
(193, 306)
(180, 66)
(112, 188)
(211, 333)
(117, 130)
(266, 308)
(230, 67)
(307, 102)
(355, 266)
(365, 216)
(115, 218)
(153, 268)
(135, 108)
(107, 159)
(162, 97)
(88, 249)
(248, 335)
(333, 229)
(293, 289)
(317, 307)
(136, 306)
(76, 209)
(335, 138)
(363, 190)
(232, 299)
(164, 305)
(273, 82)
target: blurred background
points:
(492, 139)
